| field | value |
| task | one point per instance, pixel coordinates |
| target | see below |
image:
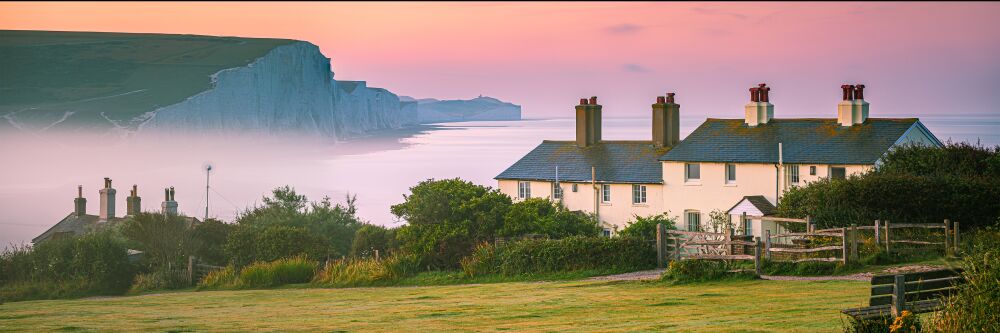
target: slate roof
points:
(760, 202)
(809, 140)
(614, 162)
(76, 225)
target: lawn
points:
(737, 306)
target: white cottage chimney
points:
(666, 121)
(169, 205)
(760, 110)
(852, 109)
(107, 201)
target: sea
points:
(40, 174)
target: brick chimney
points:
(107, 201)
(80, 203)
(133, 202)
(666, 121)
(760, 110)
(852, 109)
(169, 205)
(588, 122)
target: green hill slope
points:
(83, 80)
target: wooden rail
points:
(706, 245)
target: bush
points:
(974, 308)
(365, 272)
(262, 274)
(164, 239)
(209, 241)
(578, 253)
(160, 280)
(246, 244)
(915, 184)
(371, 237)
(96, 263)
(446, 219)
(540, 216)
(644, 227)
(685, 271)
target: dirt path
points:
(655, 274)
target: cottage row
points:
(737, 166)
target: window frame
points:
(687, 172)
(638, 194)
(557, 191)
(524, 189)
(687, 220)
(812, 170)
(605, 193)
(730, 167)
(793, 173)
(748, 226)
(831, 176)
(574, 187)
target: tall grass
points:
(262, 274)
(976, 307)
(366, 272)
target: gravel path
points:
(655, 274)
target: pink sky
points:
(915, 58)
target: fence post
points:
(898, 295)
(957, 249)
(878, 233)
(756, 255)
(854, 242)
(887, 249)
(767, 244)
(843, 241)
(191, 269)
(727, 237)
(377, 257)
(947, 237)
(809, 227)
(659, 245)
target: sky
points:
(915, 58)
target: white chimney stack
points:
(760, 110)
(107, 201)
(852, 109)
(169, 205)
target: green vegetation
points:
(368, 272)
(580, 306)
(644, 227)
(57, 74)
(541, 216)
(370, 238)
(687, 271)
(578, 253)
(915, 184)
(974, 308)
(73, 267)
(262, 274)
(164, 239)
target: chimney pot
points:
(754, 95)
(670, 97)
(660, 100)
(859, 91)
(764, 94)
(847, 92)
(593, 100)
(583, 101)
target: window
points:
(692, 171)
(693, 220)
(524, 190)
(793, 173)
(574, 187)
(730, 173)
(606, 193)
(638, 194)
(812, 170)
(607, 232)
(748, 226)
(838, 173)
(557, 192)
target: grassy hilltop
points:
(94, 80)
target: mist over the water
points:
(40, 172)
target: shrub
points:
(160, 280)
(262, 274)
(209, 241)
(974, 308)
(248, 244)
(371, 237)
(539, 256)
(363, 272)
(447, 218)
(540, 216)
(644, 227)
(684, 271)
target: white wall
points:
(614, 215)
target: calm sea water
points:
(38, 184)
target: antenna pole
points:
(208, 175)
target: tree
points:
(544, 217)
(721, 222)
(447, 218)
(644, 227)
(370, 238)
(210, 239)
(247, 245)
(164, 239)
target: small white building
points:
(732, 166)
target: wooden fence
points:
(847, 242)
(688, 245)
(197, 270)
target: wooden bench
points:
(915, 292)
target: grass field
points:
(735, 306)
